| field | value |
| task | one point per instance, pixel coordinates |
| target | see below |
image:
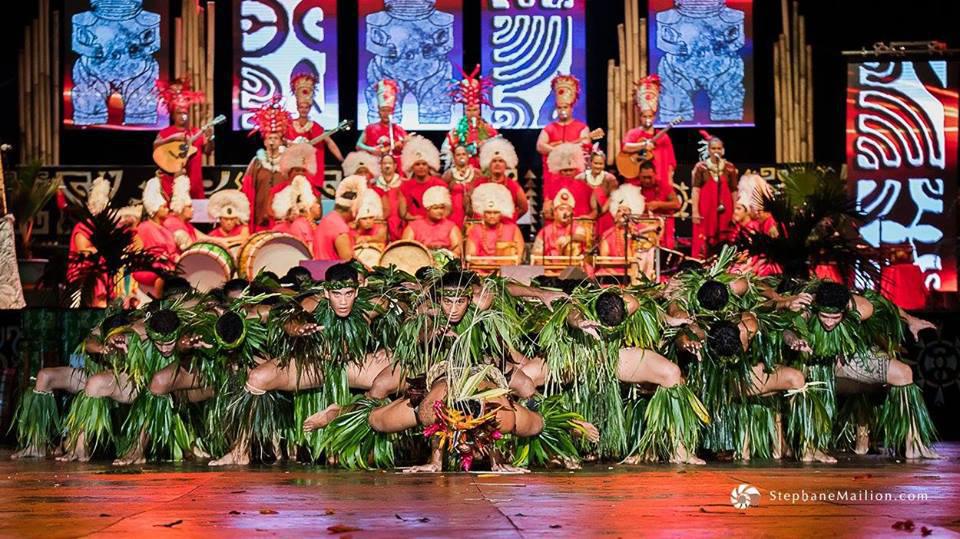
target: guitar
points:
(172, 156)
(344, 125)
(628, 163)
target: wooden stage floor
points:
(50, 500)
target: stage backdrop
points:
(524, 44)
(703, 53)
(113, 56)
(902, 159)
(419, 44)
(272, 38)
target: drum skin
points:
(206, 265)
(271, 251)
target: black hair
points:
(257, 289)
(229, 327)
(217, 296)
(566, 285)
(114, 321)
(300, 275)
(344, 271)
(713, 295)
(457, 279)
(647, 165)
(724, 339)
(235, 286)
(176, 286)
(163, 322)
(611, 310)
(832, 296)
(423, 274)
(689, 266)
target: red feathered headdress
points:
(472, 89)
(177, 95)
(270, 118)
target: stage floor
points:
(51, 500)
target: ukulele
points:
(628, 163)
(172, 156)
(344, 125)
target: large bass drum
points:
(407, 255)
(206, 265)
(271, 251)
(368, 254)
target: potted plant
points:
(27, 195)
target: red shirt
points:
(219, 233)
(552, 232)
(557, 132)
(194, 166)
(158, 241)
(435, 235)
(309, 132)
(298, 228)
(378, 134)
(413, 191)
(331, 227)
(175, 223)
(486, 238)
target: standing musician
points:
(647, 97)
(714, 183)
(471, 131)
(384, 136)
(566, 128)
(303, 83)
(177, 97)
(263, 173)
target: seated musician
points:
(181, 212)
(494, 236)
(421, 162)
(436, 231)
(660, 198)
(362, 163)
(369, 226)
(626, 207)
(498, 158)
(331, 237)
(562, 236)
(230, 210)
(153, 236)
(752, 190)
(603, 184)
(291, 209)
(566, 163)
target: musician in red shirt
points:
(387, 185)
(362, 163)
(230, 209)
(566, 163)
(566, 128)
(291, 209)
(303, 83)
(603, 184)
(494, 236)
(368, 227)
(562, 236)
(421, 162)
(661, 200)
(263, 173)
(177, 97)
(154, 237)
(498, 159)
(332, 238)
(384, 136)
(180, 214)
(436, 231)
(714, 185)
(471, 132)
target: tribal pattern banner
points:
(703, 52)
(272, 39)
(524, 44)
(116, 51)
(417, 43)
(902, 159)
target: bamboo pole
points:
(21, 103)
(626, 56)
(611, 105)
(57, 92)
(795, 78)
(809, 101)
(28, 142)
(45, 108)
(777, 106)
(643, 43)
(177, 46)
(211, 47)
(802, 101)
(638, 43)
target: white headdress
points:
(130, 212)
(354, 161)
(492, 197)
(564, 197)
(181, 194)
(153, 198)
(370, 205)
(566, 156)
(303, 196)
(350, 192)
(418, 148)
(630, 196)
(752, 190)
(282, 202)
(99, 196)
(301, 155)
(498, 147)
(436, 196)
(229, 203)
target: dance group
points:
(373, 367)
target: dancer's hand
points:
(916, 325)
(549, 296)
(590, 327)
(797, 303)
(189, 342)
(796, 344)
(690, 345)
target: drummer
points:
(436, 231)
(387, 184)
(498, 159)
(562, 236)
(494, 236)
(626, 204)
(152, 234)
(361, 163)
(566, 164)
(291, 209)
(369, 227)
(181, 212)
(331, 238)
(230, 209)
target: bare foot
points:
(589, 431)
(322, 418)
(633, 459)
(133, 457)
(917, 451)
(815, 455)
(507, 468)
(199, 453)
(682, 456)
(238, 456)
(29, 452)
(862, 445)
(424, 468)
(571, 464)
